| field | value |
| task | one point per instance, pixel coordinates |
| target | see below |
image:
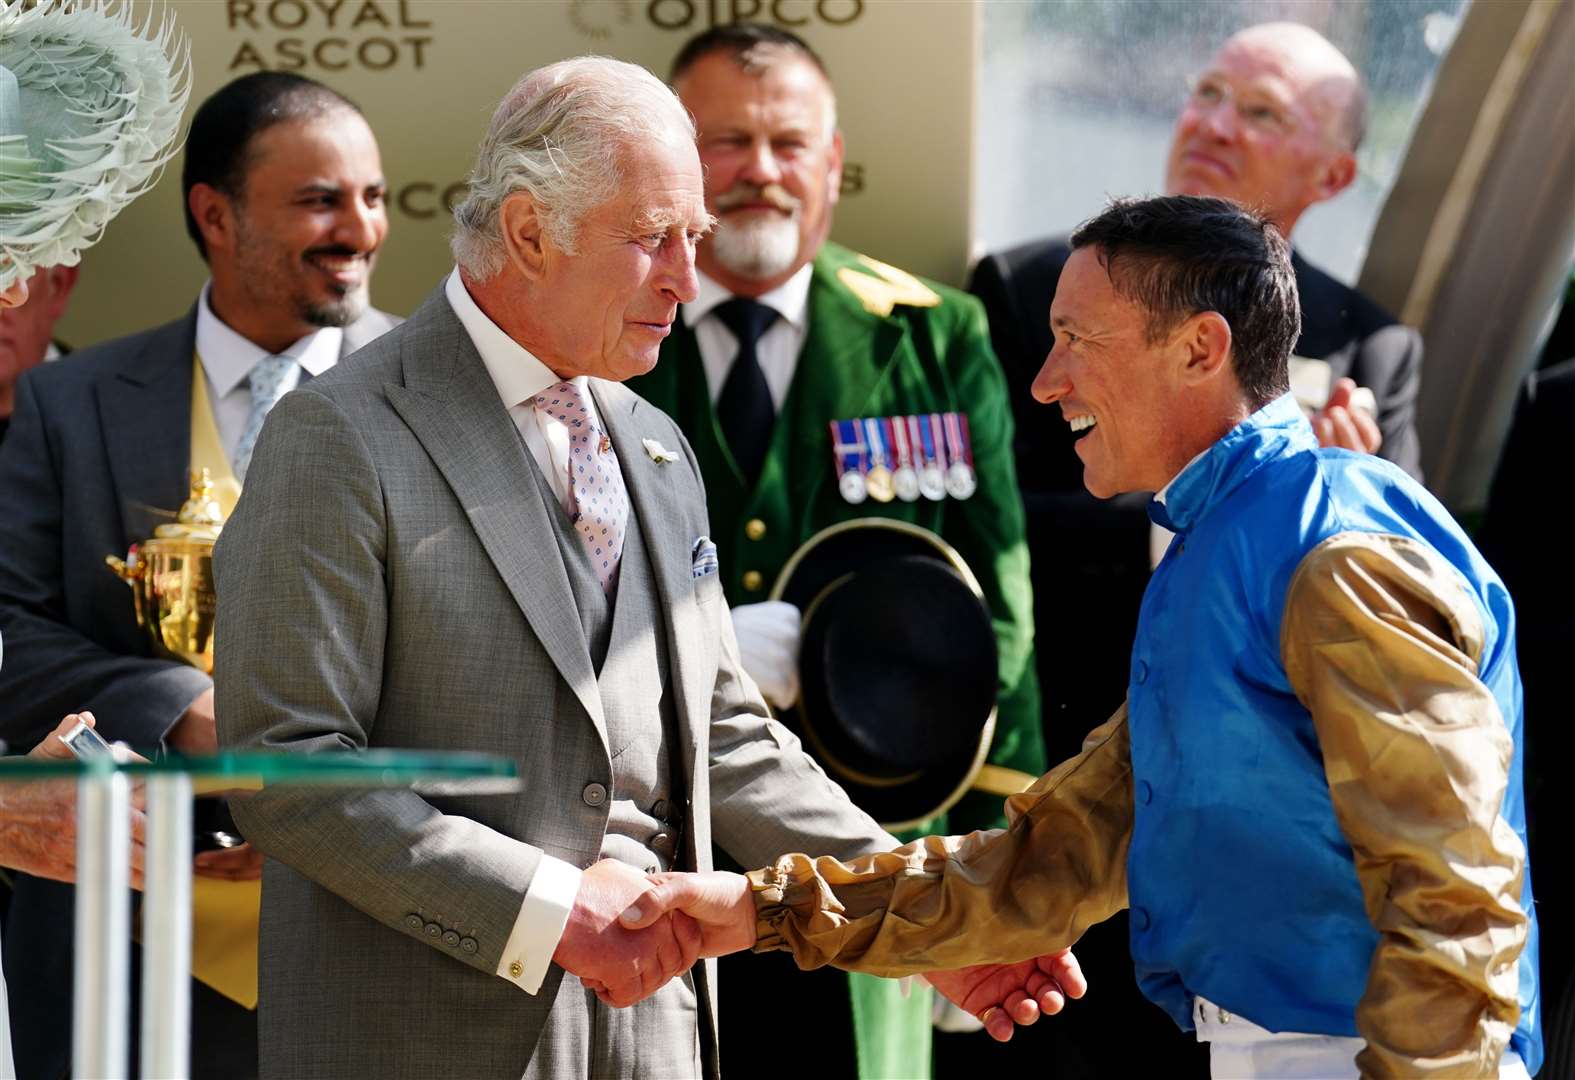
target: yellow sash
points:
(223, 913)
(207, 449)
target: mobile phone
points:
(86, 743)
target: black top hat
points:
(897, 666)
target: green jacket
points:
(857, 363)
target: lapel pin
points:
(659, 453)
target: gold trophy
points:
(171, 578)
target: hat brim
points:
(822, 579)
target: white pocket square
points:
(659, 453)
(702, 558)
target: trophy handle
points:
(129, 573)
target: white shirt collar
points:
(228, 357)
(516, 373)
(790, 300)
(1159, 496)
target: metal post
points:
(166, 930)
(103, 924)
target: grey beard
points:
(758, 252)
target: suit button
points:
(467, 945)
(413, 921)
(753, 581)
(433, 930)
(754, 528)
(451, 939)
(662, 843)
(1140, 672)
(660, 809)
(516, 969)
(1145, 793)
(594, 794)
(1140, 918)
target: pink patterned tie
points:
(601, 505)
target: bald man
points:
(1273, 120)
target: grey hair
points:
(559, 136)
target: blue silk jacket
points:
(1243, 885)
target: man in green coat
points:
(802, 362)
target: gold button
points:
(754, 528)
(516, 969)
(753, 581)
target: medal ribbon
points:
(847, 448)
(937, 432)
(957, 439)
(919, 434)
(877, 443)
(967, 440)
(899, 439)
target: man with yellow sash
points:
(284, 194)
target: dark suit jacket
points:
(96, 457)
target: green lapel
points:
(847, 359)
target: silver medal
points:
(960, 482)
(905, 482)
(852, 486)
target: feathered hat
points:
(90, 107)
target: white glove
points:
(944, 1016)
(768, 646)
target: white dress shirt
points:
(228, 358)
(778, 348)
(519, 376)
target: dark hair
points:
(217, 149)
(1181, 255)
(740, 40)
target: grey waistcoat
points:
(628, 650)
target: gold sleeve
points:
(995, 896)
(1382, 643)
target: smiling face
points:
(1119, 391)
(1264, 124)
(614, 301)
(294, 250)
(773, 164)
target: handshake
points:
(630, 933)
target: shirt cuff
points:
(540, 924)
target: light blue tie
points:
(267, 383)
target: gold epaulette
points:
(887, 288)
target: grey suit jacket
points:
(97, 457)
(390, 579)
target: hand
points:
(1003, 995)
(38, 820)
(195, 732)
(621, 965)
(1346, 421)
(768, 648)
(719, 903)
(240, 863)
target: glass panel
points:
(1077, 99)
(429, 772)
